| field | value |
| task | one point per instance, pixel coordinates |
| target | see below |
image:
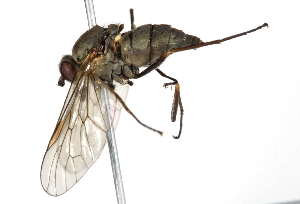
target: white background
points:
(241, 136)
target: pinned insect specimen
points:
(103, 58)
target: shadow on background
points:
(289, 202)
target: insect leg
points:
(107, 86)
(176, 102)
(132, 19)
(153, 66)
(219, 41)
(162, 58)
(166, 76)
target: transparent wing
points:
(80, 133)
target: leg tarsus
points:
(176, 101)
(181, 117)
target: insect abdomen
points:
(145, 44)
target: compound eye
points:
(67, 71)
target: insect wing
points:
(80, 133)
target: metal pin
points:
(111, 140)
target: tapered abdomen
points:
(145, 44)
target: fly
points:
(103, 58)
